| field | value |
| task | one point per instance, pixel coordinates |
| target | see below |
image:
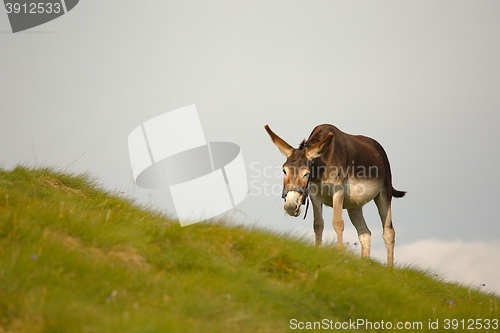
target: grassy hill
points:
(74, 258)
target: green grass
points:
(74, 258)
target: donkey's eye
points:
(306, 175)
(284, 171)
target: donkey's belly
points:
(357, 192)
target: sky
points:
(420, 77)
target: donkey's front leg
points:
(338, 222)
(318, 223)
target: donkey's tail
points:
(398, 194)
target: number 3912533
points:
(33, 8)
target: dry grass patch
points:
(119, 254)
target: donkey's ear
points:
(284, 147)
(319, 147)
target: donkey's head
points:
(297, 170)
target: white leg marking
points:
(366, 244)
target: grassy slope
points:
(76, 259)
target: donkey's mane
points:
(303, 145)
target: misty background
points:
(420, 77)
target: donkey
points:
(342, 171)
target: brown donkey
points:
(342, 171)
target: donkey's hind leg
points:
(364, 234)
(383, 202)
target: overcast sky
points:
(421, 77)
